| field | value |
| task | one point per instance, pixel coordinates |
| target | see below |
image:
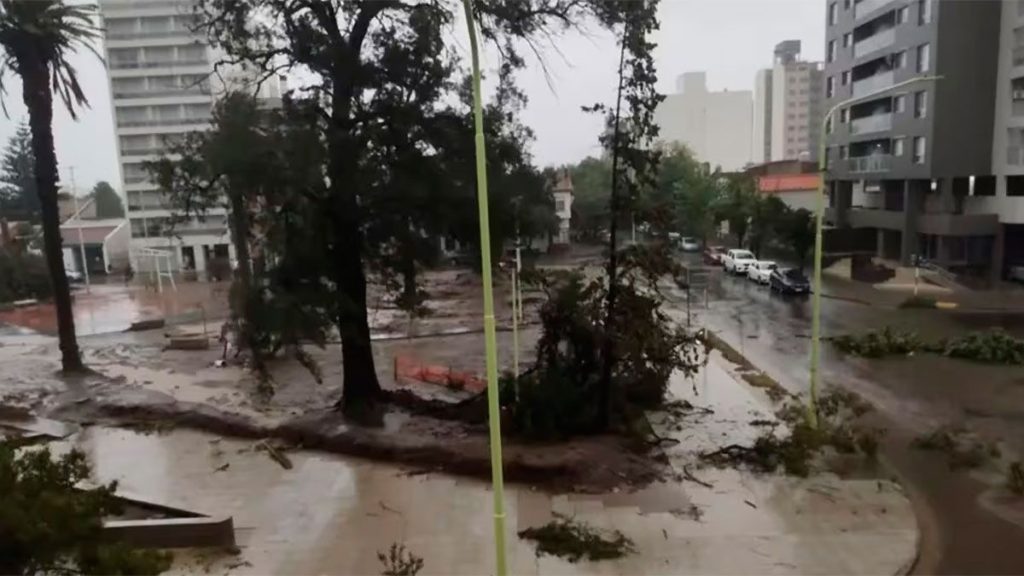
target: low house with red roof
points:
(795, 182)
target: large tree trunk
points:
(39, 101)
(243, 307)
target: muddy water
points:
(968, 527)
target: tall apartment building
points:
(162, 86)
(915, 165)
(788, 101)
(715, 126)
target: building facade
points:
(715, 126)
(788, 105)
(907, 159)
(163, 86)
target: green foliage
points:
(23, 275)
(19, 198)
(49, 525)
(399, 561)
(108, 202)
(1015, 478)
(738, 204)
(797, 230)
(591, 181)
(572, 540)
(993, 346)
(918, 302)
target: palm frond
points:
(47, 32)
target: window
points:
(832, 11)
(903, 15)
(920, 104)
(846, 4)
(844, 153)
(830, 87)
(924, 11)
(846, 77)
(1015, 185)
(923, 57)
(844, 115)
(919, 149)
(847, 39)
(899, 59)
(897, 146)
(831, 53)
(899, 103)
(828, 125)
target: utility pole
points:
(81, 242)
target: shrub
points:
(878, 343)
(48, 525)
(574, 541)
(23, 276)
(994, 346)
(919, 302)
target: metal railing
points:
(1015, 155)
(873, 163)
(874, 83)
(161, 93)
(148, 151)
(865, 7)
(874, 123)
(164, 122)
(880, 40)
(142, 34)
(136, 179)
(157, 64)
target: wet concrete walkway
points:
(331, 515)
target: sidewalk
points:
(888, 296)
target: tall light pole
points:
(812, 405)
(490, 338)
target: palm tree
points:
(37, 36)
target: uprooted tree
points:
(342, 45)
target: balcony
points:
(872, 84)
(164, 122)
(136, 178)
(944, 224)
(157, 64)
(874, 123)
(875, 218)
(883, 39)
(1015, 155)
(149, 151)
(865, 7)
(867, 164)
(1018, 55)
(172, 92)
(149, 34)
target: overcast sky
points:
(729, 39)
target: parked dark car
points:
(713, 255)
(789, 281)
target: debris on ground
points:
(1015, 478)
(572, 540)
(275, 454)
(961, 449)
(399, 561)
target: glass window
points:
(828, 125)
(924, 11)
(920, 104)
(831, 51)
(830, 86)
(847, 39)
(846, 77)
(844, 152)
(899, 103)
(897, 146)
(923, 57)
(919, 149)
(844, 115)
(900, 59)
(903, 15)
(832, 11)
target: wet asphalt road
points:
(964, 528)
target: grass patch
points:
(566, 538)
(711, 340)
(925, 302)
(774, 390)
(962, 452)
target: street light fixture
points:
(812, 405)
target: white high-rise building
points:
(162, 86)
(788, 107)
(715, 126)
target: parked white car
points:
(761, 271)
(736, 261)
(689, 244)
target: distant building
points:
(795, 182)
(563, 193)
(788, 107)
(715, 126)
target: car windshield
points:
(768, 266)
(743, 255)
(794, 274)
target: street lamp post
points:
(812, 405)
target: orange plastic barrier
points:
(409, 368)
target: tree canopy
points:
(19, 197)
(108, 201)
